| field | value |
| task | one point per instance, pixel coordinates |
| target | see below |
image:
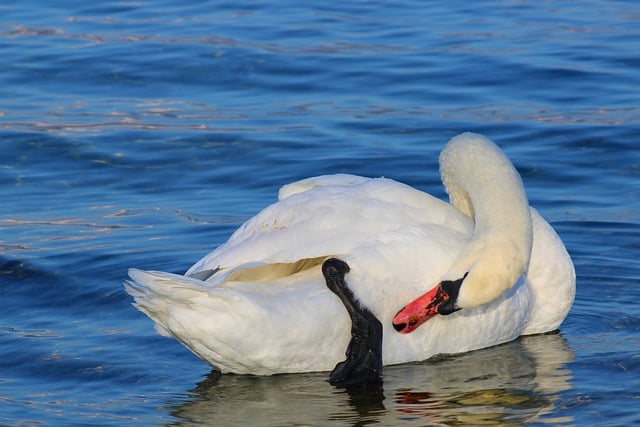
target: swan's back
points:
(329, 216)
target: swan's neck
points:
(484, 185)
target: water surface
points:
(141, 134)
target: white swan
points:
(258, 303)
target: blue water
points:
(141, 134)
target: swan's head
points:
(484, 185)
(485, 271)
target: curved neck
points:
(484, 185)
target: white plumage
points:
(258, 303)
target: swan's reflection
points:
(509, 384)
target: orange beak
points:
(420, 310)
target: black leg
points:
(364, 353)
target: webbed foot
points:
(364, 353)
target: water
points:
(141, 134)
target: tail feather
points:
(154, 292)
(161, 284)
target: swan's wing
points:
(328, 216)
(301, 186)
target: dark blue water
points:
(141, 134)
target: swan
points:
(441, 277)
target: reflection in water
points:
(511, 384)
(506, 385)
(366, 405)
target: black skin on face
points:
(451, 288)
(364, 353)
